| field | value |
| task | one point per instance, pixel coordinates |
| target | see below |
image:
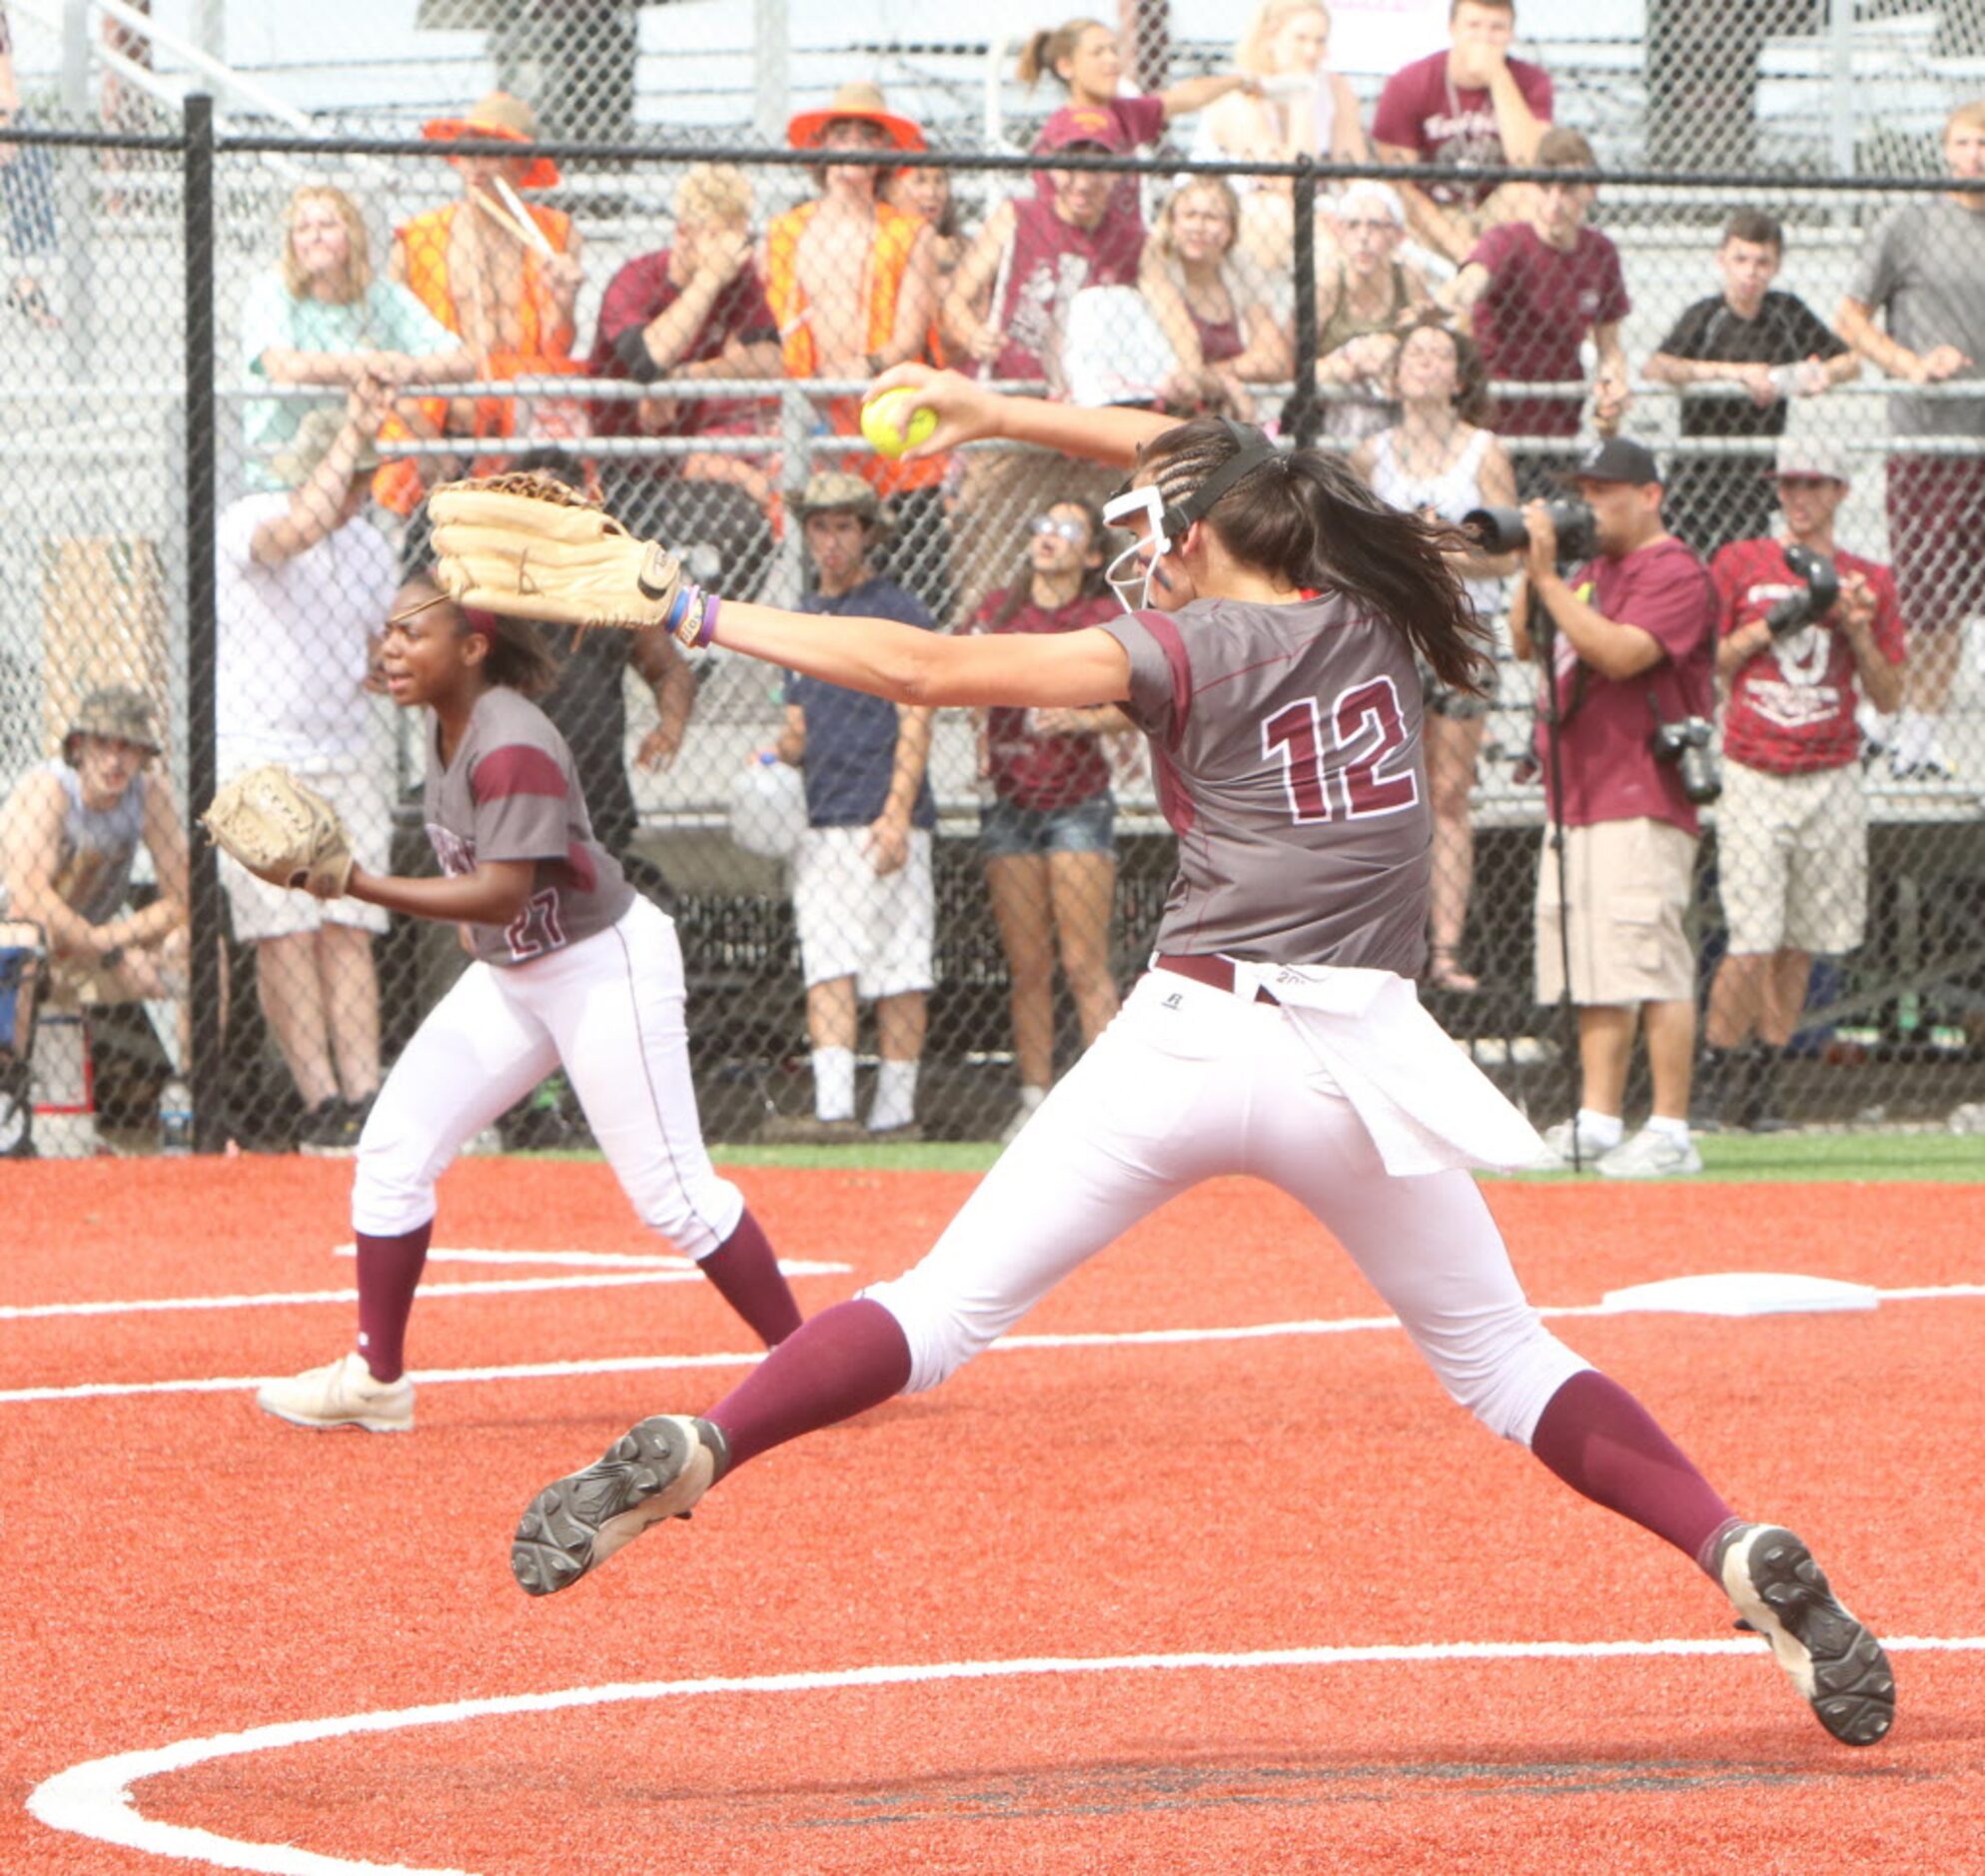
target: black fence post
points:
(204, 968)
(1302, 418)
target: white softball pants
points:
(1188, 1083)
(610, 1010)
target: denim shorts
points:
(1088, 826)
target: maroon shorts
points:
(1936, 536)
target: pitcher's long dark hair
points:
(1306, 517)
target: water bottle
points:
(176, 1119)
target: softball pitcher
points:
(1271, 660)
(571, 968)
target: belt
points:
(1215, 970)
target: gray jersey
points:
(1286, 741)
(1924, 266)
(511, 793)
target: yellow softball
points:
(882, 422)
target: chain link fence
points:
(214, 337)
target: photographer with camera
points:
(1806, 629)
(1624, 642)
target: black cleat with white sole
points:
(1833, 1659)
(658, 1468)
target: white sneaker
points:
(1558, 1147)
(1649, 1155)
(342, 1393)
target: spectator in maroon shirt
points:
(1471, 107)
(1084, 58)
(1048, 837)
(1532, 291)
(694, 310)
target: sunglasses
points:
(1073, 531)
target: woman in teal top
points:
(322, 318)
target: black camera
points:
(1818, 589)
(1501, 531)
(1688, 745)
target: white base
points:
(1742, 1293)
(65, 1136)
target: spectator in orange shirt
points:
(852, 283)
(502, 271)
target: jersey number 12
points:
(1365, 732)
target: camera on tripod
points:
(1504, 531)
(1812, 600)
(1691, 746)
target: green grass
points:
(1795, 1157)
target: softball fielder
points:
(571, 968)
(1271, 662)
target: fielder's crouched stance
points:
(571, 968)
(1269, 657)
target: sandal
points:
(26, 297)
(1443, 972)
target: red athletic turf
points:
(182, 1566)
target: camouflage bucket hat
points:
(117, 711)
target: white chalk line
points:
(93, 1799)
(664, 1363)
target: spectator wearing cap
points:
(864, 898)
(500, 272)
(695, 310)
(1625, 642)
(1772, 346)
(1084, 57)
(1805, 631)
(1921, 273)
(321, 317)
(1366, 297)
(852, 283)
(1009, 308)
(1472, 107)
(303, 586)
(1534, 292)
(69, 836)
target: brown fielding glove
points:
(282, 831)
(523, 546)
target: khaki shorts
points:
(878, 928)
(1793, 859)
(1630, 884)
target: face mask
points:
(1123, 572)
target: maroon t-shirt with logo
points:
(1029, 769)
(1791, 707)
(511, 793)
(1533, 315)
(1606, 724)
(641, 292)
(1451, 126)
(1049, 262)
(1286, 741)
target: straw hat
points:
(837, 491)
(857, 100)
(499, 115)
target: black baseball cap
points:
(1617, 459)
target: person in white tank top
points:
(1438, 461)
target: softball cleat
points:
(658, 1468)
(1834, 1661)
(341, 1393)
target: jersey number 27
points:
(1365, 732)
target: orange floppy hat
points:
(498, 115)
(857, 100)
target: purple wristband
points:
(707, 627)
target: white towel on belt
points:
(1424, 1101)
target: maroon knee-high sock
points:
(1602, 1442)
(389, 1271)
(747, 1273)
(845, 1360)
